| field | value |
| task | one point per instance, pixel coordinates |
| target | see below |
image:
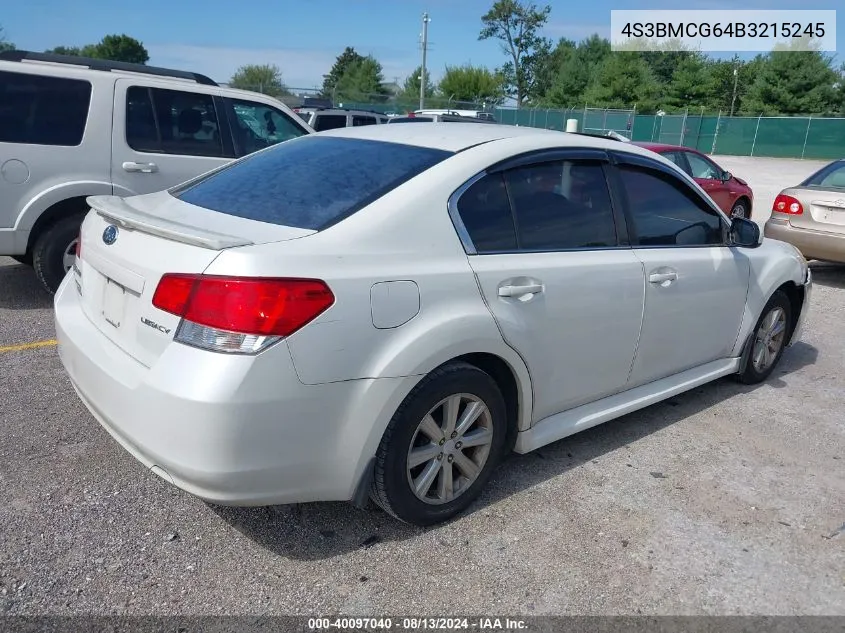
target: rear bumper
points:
(812, 244)
(233, 430)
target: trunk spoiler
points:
(118, 211)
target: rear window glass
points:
(42, 110)
(412, 119)
(311, 182)
(832, 175)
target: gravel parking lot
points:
(725, 500)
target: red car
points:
(732, 194)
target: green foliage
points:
(794, 82)
(5, 45)
(624, 79)
(691, 82)
(516, 26)
(118, 48)
(266, 78)
(344, 61)
(411, 87)
(471, 83)
(362, 80)
(573, 67)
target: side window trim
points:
(224, 120)
(454, 214)
(659, 171)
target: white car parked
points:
(388, 310)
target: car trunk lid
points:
(824, 209)
(127, 244)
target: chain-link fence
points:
(780, 137)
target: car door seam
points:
(642, 316)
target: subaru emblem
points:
(110, 234)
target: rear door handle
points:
(660, 278)
(519, 291)
(144, 168)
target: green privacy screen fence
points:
(777, 137)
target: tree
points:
(265, 78)
(344, 61)
(122, 48)
(572, 67)
(516, 26)
(5, 45)
(117, 48)
(624, 79)
(470, 83)
(793, 82)
(691, 84)
(362, 80)
(723, 81)
(411, 87)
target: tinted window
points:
(665, 213)
(701, 167)
(329, 122)
(43, 110)
(832, 175)
(486, 214)
(411, 119)
(678, 159)
(172, 122)
(311, 182)
(258, 126)
(363, 120)
(562, 205)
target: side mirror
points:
(726, 176)
(744, 233)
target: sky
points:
(303, 38)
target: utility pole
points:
(733, 99)
(426, 20)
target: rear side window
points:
(172, 122)
(311, 182)
(363, 120)
(486, 214)
(329, 122)
(43, 110)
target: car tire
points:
(458, 387)
(768, 340)
(50, 250)
(740, 209)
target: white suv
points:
(75, 127)
(333, 118)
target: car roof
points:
(455, 137)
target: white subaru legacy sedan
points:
(388, 310)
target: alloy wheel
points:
(449, 448)
(769, 339)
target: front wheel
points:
(740, 209)
(768, 340)
(441, 446)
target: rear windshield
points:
(311, 182)
(832, 175)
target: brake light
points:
(240, 314)
(787, 204)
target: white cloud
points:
(301, 68)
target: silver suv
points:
(331, 118)
(73, 127)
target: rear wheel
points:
(441, 446)
(769, 339)
(54, 251)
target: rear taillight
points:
(787, 204)
(240, 314)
